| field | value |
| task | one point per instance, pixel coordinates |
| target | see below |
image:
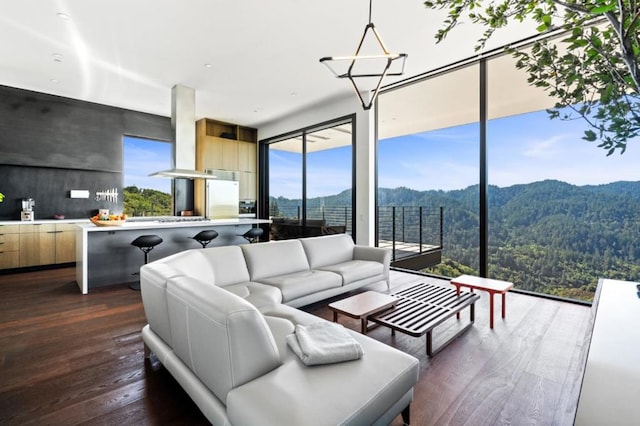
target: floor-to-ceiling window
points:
(428, 168)
(559, 213)
(309, 180)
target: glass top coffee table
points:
(362, 306)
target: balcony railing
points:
(414, 234)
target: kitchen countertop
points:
(154, 224)
(141, 223)
(42, 221)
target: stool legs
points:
(146, 243)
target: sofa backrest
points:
(192, 263)
(328, 249)
(153, 284)
(266, 260)
(228, 265)
(222, 338)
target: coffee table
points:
(423, 307)
(361, 306)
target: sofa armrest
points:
(375, 254)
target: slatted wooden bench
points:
(423, 307)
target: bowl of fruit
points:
(108, 220)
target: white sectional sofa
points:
(218, 320)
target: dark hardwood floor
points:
(68, 358)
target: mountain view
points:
(549, 237)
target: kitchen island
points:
(105, 256)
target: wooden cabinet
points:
(9, 246)
(247, 157)
(248, 184)
(226, 146)
(65, 242)
(37, 244)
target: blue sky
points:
(143, 156)
(521, 149)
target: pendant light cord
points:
(370, 3)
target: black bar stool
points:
(205, 237)
(253, 235)
(146, 243)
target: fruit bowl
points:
(99, 222)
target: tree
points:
(592, 70)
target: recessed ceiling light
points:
(58, 57)
(208, 66)
(293, 94)
(63, 16)
(53, 80)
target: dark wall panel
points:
(50, 190)
(50, 145)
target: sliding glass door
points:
(309, 180)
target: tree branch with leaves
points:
(591, 69)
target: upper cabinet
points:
(225, 146)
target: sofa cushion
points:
(301, 283)
(256, 293)
(228, 263)
(355, 270)
(354, 392)
(221, 337)
(266, 260)
(328, 249)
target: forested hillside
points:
(548, 236)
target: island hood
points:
(182, 173)
(183, 126)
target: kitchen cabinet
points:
(248, 183)
(226, 146)
(9, 246)
(65, 242)
(37, 244)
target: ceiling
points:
(250, 62)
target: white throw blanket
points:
(324, 343)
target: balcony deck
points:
(69, 358)
(412, 256)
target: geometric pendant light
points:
(362, 67)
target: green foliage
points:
(146, 202)
(592, 71)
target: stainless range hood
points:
(182, 173)
(183, 125)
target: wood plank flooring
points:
(68, 358)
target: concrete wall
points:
(50, 145)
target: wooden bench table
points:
(490, 285)
(422, 307)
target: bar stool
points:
(146, 243)
(205, 237)
(252, 235)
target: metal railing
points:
(330, 216)
(410, 230)
(407, 230)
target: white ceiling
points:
(263, 54)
